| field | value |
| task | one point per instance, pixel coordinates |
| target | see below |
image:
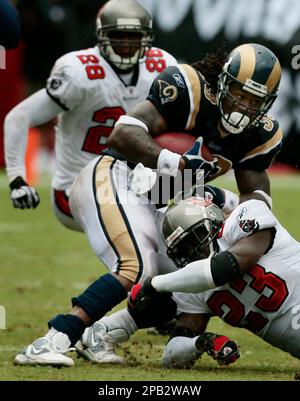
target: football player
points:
(223, 100)
(244, 269)
(88, 90)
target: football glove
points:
(194, 160)
(140, 295)
(221, 348)
(149, 307)
(22, 195)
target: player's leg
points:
(131, 237)
(113, 222)
(61, 209)
(284, 331)
(116, 328)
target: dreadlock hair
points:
(211, 66)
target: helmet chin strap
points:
(235, 118)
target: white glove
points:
(22, 195)
(142, 179)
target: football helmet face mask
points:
(252, 70)
(189, 230)
(124, 32)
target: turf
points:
(43, 265)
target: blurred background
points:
(186, 28)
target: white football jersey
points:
(93, 96)
(266, 299)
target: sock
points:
(120, 325)
(51, 333)
(180, 352)
(101, 296)
(70, 325)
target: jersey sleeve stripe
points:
(194, 88)
(266, 147)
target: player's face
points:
(191, 247)
(125, 44)
(242, 101)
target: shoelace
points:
(48, 346)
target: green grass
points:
(43, 265)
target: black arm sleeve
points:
(224, 268)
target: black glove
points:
(141, 294)
(216, 195)
(221, 348)
(149, 307)
(22, 195)
(194, 160)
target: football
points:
(180, 142)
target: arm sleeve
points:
(10, 31)
(35, 110)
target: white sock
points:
(180, 352)
(120, 325)
(51, 333)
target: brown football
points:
(180, 142)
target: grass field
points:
(43, 265)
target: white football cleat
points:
(97, 345)
(46, 351)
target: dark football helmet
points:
(124, 32)
(189, 229)
(256, 70)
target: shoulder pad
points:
(246, 219)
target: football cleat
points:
(97, 346)
(46, 351)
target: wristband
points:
(168, 162)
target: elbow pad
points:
(224, 268)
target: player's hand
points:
(140, 295)
(148, 307)
(22, 195)
(221, 348)
(216, 195)
(195, 160)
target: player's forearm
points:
(35, 110)
(135, 144)
(15, 139)
(200, 275)
(253, 185)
